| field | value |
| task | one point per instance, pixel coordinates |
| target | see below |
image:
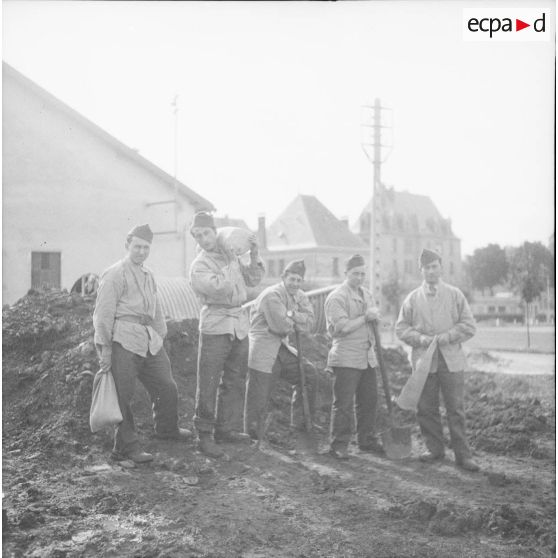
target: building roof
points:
(197, 201)
(406, 212)
(227, 221)
(307, 223)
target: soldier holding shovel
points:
(278, 311)
(438, 312)
(350, 311)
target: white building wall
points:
(67, 190)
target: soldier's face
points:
(206, 237)
(138, 250)
(356, 276)
(293, 282)
(432, 272)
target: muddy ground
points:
(64, 497)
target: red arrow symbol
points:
(519, 25)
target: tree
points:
(392, 291)
(530, 267)
(487, 267)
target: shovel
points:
(396, 440)
(308, 438)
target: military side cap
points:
(203, 219)
(142, 231)
(428, 256)
(354, 261)
(296, 266)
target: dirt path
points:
(275, 503)
(63, 497)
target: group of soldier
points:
(242, 354)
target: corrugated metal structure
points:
(179, 301)
(317, 297)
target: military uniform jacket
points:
(447, 311)
(355, 349)
(269, 325)
(221, 287)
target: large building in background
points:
(71, 191)
(308, 230)
(409, 223)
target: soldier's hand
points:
(105, 357)
(425, 340)
(372, 314)
(254, 248)
(443, 339)
(299, 317)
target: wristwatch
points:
(290, 313)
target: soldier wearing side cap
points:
(129, 332)
(220, 279)
(439, 313)
(350, 311)
(277, 311)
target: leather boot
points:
(429, 457)
(180, 435)
(208, 446)
(467, 464)
(137, 456)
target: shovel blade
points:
(397, 443)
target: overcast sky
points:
(270, 100)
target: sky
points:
(270, 101)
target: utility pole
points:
(373, 122)
(174, 105)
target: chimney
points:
(262, 237)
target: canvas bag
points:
(105, 410)
(235, 239)
(410, 394)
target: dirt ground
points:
(64, 497)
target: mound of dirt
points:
(64, 499)
(522, 424)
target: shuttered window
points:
(45, 270)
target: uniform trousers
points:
(355, 391)
(154, 372)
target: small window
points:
(491, 309)
(501, 309)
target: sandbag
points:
(235, 239)
(410, 394)
(105, 410)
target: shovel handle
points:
(381, 365)
(305, 405)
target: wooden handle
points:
(305, 405)
(381, 365)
